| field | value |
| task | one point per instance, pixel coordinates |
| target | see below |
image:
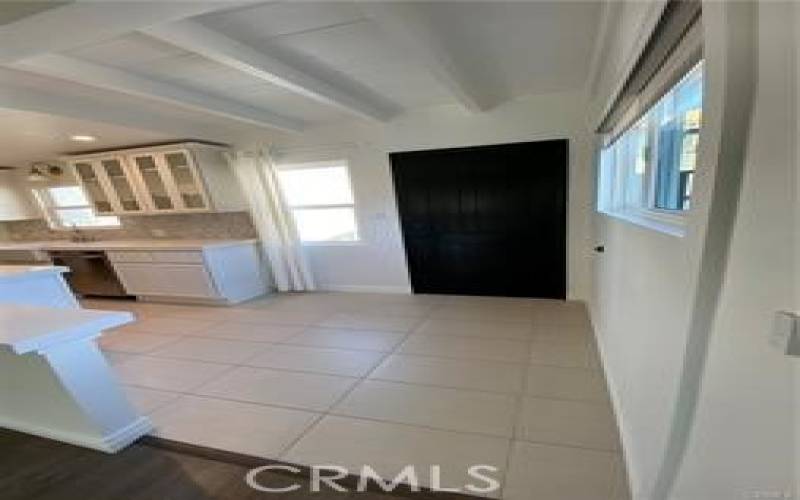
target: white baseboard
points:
(365, 289)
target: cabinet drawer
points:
(128, 256)
(177, 257)
(175, 280)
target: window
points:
(67, 207)
(321, 200)
(649, 168)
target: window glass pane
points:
(652, 164)
(83, 217)
(316, 186)
(636, 160)
(68, 196)
(326, 224)
(679, 115)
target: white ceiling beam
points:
(109, 78)
(81, 23)
(194, 37)
(86, 107)
(415, 35)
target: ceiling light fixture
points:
(83, 138)
(42, 172)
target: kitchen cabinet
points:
(213, 274)
(107, 183)
(173, 280)
(175, 178)
(16, 202)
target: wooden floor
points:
(33, 468)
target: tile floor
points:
(384, 380)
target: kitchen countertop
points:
(122, 244)
(13, 272)
(27, 328)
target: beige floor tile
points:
(281, 316)
(563, 333)
(466, 348)
(487, 313)
(568, 316)
(347, 339)
(344, 362)
(214, 350)
(457, 373)
(166, 326)
(491, 330)
(115, 358)
(148, 400)
(232, 426)
(388, 448)
(212, 313)
(443, 408)
(566, 383)
(309, 391)
(168, 374)
(568, 423)
(232, 330)
(473, 300)
(134, 343)
(541, 472)
(410, 310)
(573, 353)
(370, 322)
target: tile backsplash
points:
(229, 225)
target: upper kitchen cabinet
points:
(16, 202)
(176, 178)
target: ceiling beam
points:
(194, 37)
(24, 96)
(414, 33)
(109, 78)
(79, 23)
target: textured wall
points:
(185, 226)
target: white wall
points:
(380, 262)
(741, 444)
(683, 323)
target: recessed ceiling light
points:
(83, 138)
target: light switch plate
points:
(786, 333)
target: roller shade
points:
(675, 46)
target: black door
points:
(486, 220)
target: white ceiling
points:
(333, 61)
(27, 136)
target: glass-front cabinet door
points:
(95, 188)
(121, 185)
(187, 183)
(157, 190)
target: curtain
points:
(280, 243)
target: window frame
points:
(50, 210)
(318, 164)
(646, 213)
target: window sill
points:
(356, 243)
(671, 224)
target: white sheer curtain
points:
(280, 242)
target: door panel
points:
(487, 220)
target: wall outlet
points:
(786, 333)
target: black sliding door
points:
(485, 220)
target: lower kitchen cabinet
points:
(173, 280)
(218, 274)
